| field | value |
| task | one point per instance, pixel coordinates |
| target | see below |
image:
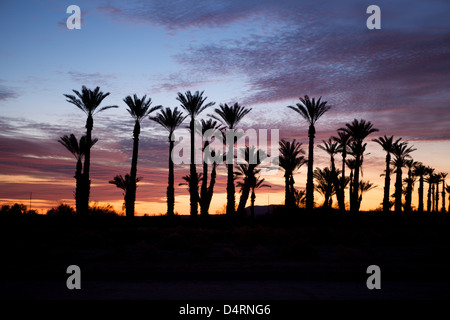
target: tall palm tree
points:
(358, 131)
(429, 180)
(401, 154)
(230, 116)
(125, 184)
(331, 147)
(208, 129)
(248, 171)
(410, 180)
(443, 176)
(170, 120)
(78, 150)
(388, 144)
(88, 101)
(343, 139)
(193, 104)
(420, 171)
(291, 159)
(311, 111)
(138, 109)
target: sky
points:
(262, 54)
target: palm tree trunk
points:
(211, 187)
(355, 191)
(131, 191)
(310, 182)
(443, 196)
(408, 196)
(171, 187)
(429, 197)
(420, 209)
(287, 196)
(433, 198)
(398, 190)
(204, 191)
(387, 184)
(350, 189)
(78, 187)
(231, 198)
(252, 201)
(437, 196)
(193, 183)
(86, 185)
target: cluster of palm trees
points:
(330, 181)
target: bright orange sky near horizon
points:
(262, 54)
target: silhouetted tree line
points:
(349, 142)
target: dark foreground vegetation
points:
(178, 254)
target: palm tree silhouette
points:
(258, 183)
(420, 171)
(193, 104)
(208, 129)
(170, 120)
(364, 186)
(388, 144)
(248, 171)
(443, 176)
(409, 180)
(331, 147)
(138, 109)
(125, 184)
(401, 154)
(429, 179)
(324, 185)
(291, 159)
(78, 150)
(87, 101)
(230, 116)
(342, 139)
(311, 111)
(358, 131)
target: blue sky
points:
(264, 54)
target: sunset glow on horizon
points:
(262, 54)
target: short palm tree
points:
(388, 144)
(331, 147)
(364, 186)
(193, 104)
(78, 150)
(138, 109)
(258, 183)
(125, 184)
(401, 154)
(230, 116)
(291, 159)
(311, 111)
(170, 120)
(88, 101)
(248, 171)
(420, 171)
(324, 185)
(208, 129)
(358, 131)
